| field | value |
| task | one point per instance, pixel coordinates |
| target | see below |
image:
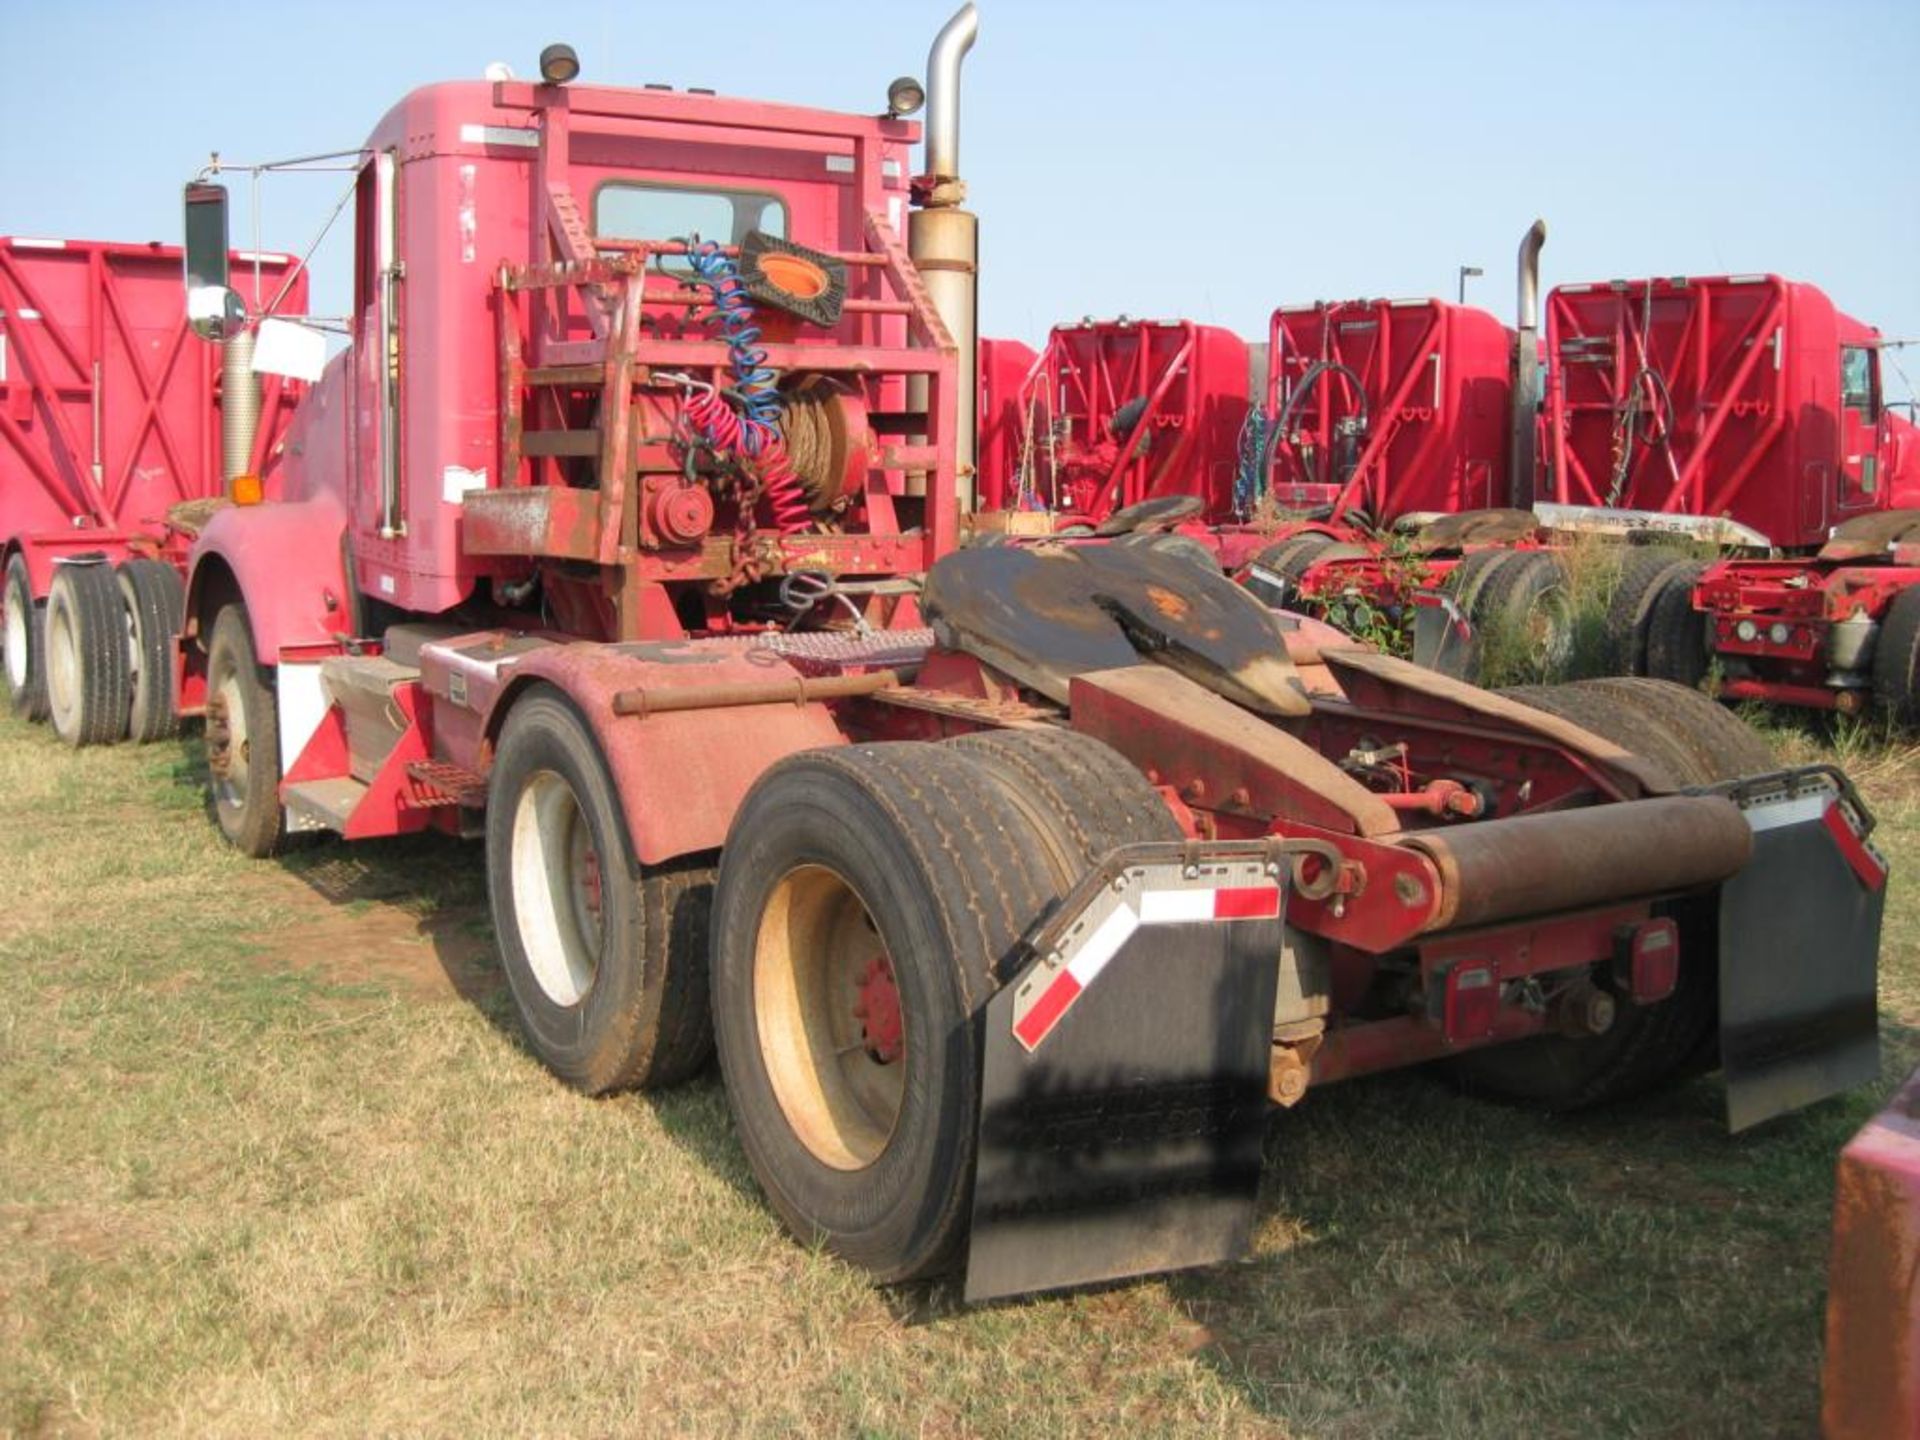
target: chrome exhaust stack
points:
(944, 239)
(1526, 371)
(239, 406)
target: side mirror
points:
(213, 309)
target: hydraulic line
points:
(1296, 398)
(1627, 415)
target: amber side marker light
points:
(246, 490)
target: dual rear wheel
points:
(868, 903)
(1691, 740)
(96, 656)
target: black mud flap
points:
(1443, 639)
(1800, 947)
(1125, 1079)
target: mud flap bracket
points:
(1125, 1074)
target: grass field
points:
(272, 1160)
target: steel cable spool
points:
(826, 434)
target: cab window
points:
(629, 210)
(1858, 390)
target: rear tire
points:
(1718, 744)
(1524, 619)
(1676, 632)
(1171, 542)
(1466, 580)
(25, 644)
(243, 739)
(606, 958)
(1643, 574)
(155, 601)
(1293, 557)
(1697, 743)
(1083, 795)
(868, 899)
(86, 655)
(1896, 659)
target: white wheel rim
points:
(557, 878)
(230, 791)
(816, 944)
(133, 642)
(16, 641)
(62, 663)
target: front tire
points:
(607, 960)
(243, 739)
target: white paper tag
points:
(457, 480)
(282, 347)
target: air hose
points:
(751, 434)
(1283, 423)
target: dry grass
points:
(272, 1160)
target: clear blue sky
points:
(1190, 157)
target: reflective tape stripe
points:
(1156, 907)
(1854, 850)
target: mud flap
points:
(1443, 639)
(1800, 947)
(1124, 1086)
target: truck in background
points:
(1744, 414)
(111, 458)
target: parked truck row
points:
(1011, 883)
(1420, 458)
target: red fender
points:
(43, 551)
(682, 774)
(286, 558)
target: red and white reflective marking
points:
(1822, 804)
(1093, 942)
(1856, 849)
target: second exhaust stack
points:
(1526, 371)
(944, 239)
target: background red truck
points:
(111, 456)
(1115, 413)
(1754, 400)
(1745, 412)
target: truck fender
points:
(682, 774)
(286, 563)
(42, 553)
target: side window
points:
(1858, 390)
(624, 210)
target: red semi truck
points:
(1745, 412)
(1114, 414)
(1754, 400)
(111, 448)
(1011, 884)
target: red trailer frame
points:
(109, 409)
